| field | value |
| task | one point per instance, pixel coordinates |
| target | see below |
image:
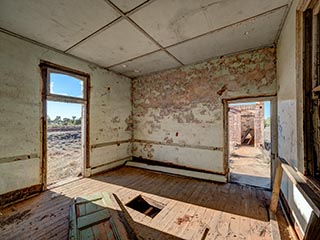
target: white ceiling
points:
(137, 37)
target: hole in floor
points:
(145, 205)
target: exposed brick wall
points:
(247, 118)
(178, 113)
(234, 126)
(259, 125)
(244, 117)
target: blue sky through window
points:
(64, 110)
(66, 85)
(267, 110)
(69, 86)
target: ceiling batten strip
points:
(284, 18)
(134, 58)
(204, 34)
(124, 16)
(15, 35)
(229, 25)
(139, 7)
(147, 2)
(95, 33)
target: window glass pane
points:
(66, 85)
(58, 112)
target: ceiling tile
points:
(150, 63)
(126, 5)
(172, 21)
(118, 43)
(58, 23)
(254, 33)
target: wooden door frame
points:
(45, 69)
(273, 130)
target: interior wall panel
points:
(110, 109)
(290, 111)
(183, 107)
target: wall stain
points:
(148, 149)
(222, 90)
(116, 119)
(168, 140)
(129, 122)
(188, 99)
(177, 92)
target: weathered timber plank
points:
(276, 188)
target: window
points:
(311, 94)
(65, 124)
(69, 85)
(64, 84)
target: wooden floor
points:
(193, 209)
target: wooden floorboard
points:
(192, 208)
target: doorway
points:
(65, 125)
(249, 143)
(65, 149)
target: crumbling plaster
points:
(20, 142)
(178, 114)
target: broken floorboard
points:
(192, 208)
(98, 216)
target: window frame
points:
(64, 98)
(45, 69)
(308, 58)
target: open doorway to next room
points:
(250, 143)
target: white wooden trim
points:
(183, 172)
(106, 167)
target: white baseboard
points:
(182, 172)
(108, 166)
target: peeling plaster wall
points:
(110, 112)
(288, 107)
(178, 114)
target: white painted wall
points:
(110, 112)
(289, 110)
(179, 114)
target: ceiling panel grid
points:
(139, 37)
